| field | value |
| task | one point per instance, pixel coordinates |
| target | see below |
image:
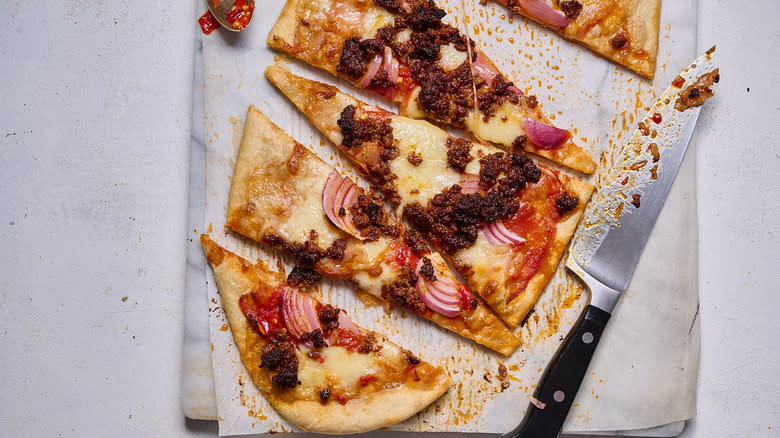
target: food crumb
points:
(224, 328)
(124, 298)
(635, 199)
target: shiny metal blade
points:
(620, 217)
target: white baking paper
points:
(644, 373)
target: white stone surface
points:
(94, 148)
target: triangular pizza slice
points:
(284, 196)
(311, 362)
(503, 221)
(623, 31)
(403, 51)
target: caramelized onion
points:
(498, 234)
(373, 68)
(298, 313)
(340, 192)
(443, 295)
(542, 11)
(544, 136)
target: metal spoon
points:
(239, 11)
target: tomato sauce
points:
(535, 220)
(263, 308)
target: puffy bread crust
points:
(324, 113)
(254, 209)
(236, 277)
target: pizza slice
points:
(282, 195)
(623, 31)
(311, 362)
(401, 50)
(503, 221)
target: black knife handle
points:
(562, 379)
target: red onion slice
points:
(391, 65)
(545, 136)
(483, 68)
(298, 313)
(346, 324)
(373, 68)
(542, 11)
(499, 235)
(469, 183)
(340, 192)
(443, 295)
(515, 90)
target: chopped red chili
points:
(208, 23)
(657, 118)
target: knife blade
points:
(609, 241)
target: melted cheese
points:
(451, 58)
(422, 182)
(487, 261)
(307, 214)
(340, 365)
(503, 128)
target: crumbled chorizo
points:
(427, 271)
(458, 153)
(635, 199)
(414, 159)
(414, 240)
(619, 40)
(571, 9)
(329, 317)
(281, 356)
(316, 338)
(698, 92)
(300, 276)
(566, 202)
(355, 56)
(403, 293)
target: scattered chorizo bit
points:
(642, 127)
(653, 148)
(281, 356)
(404, 293)
(654, 172)
(571, 8)
(502, 373)
(698, 92)
(566, 202)
(535, 401)
(678, 82)
(324, 395)
(329, 317)
(458, 153)
(657, 118)
(426, 270)
(302, 276)
(638, 165)
(414, 159)
(619, 41)
(635, 199)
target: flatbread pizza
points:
(500, 219)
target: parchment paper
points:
(644, 373)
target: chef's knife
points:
(609, 241)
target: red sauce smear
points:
(656, 118)
(536, 220)
(208, 23)
(348, 339)
(263, 308)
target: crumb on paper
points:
(635, 199)
(535, 401)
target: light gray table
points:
(94, 149)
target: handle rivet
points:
(559, 396)
(587, 337)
